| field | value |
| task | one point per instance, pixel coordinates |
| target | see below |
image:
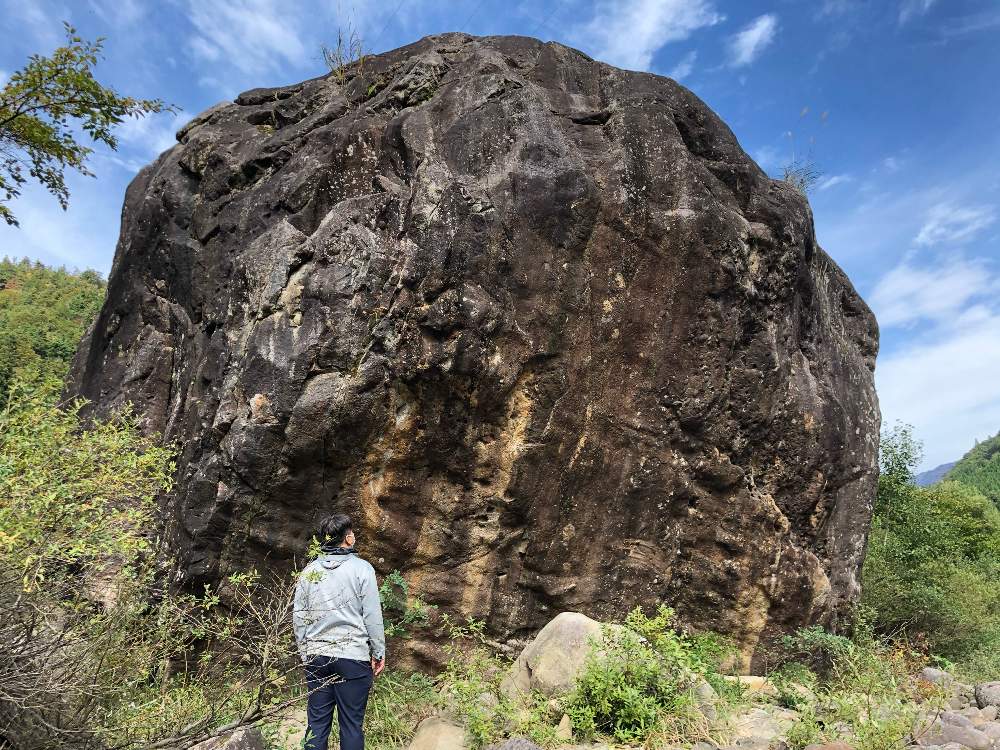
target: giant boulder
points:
(539, 323)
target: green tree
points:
(980, 469)
(42, 108)
(933, 561)
(43, 313)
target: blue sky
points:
(895, 101)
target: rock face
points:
(540, 324)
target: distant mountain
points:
(932, 476)
(980, 468)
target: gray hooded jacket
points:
(337, 609)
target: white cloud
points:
(81, 237)
(254, 36)
(892, 164)
(768, 158)
(971, 24)
(946, 387)
(948, 223)
(627, 33)
(942, 379)
(119, 12)
(939, 294)
(837, 7)
(683, 68)
(150, 136)
(44, 25)
(832, 180)
(912, 8)
(754, 38)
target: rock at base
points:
(988, 694)
(754, 684)
(555, 658)
(438, 733)
(514, 743)
(247, 738)
(942, 732)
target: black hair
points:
(334, 529)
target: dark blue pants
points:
(342, 684)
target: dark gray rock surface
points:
(540, 324)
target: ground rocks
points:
(941, 733)
(515, 743)
(759, 728)
(988, 694)
(439, 733)
(539, 324)
(248, 738)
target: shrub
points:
(932, 563)
(638, 684)
(863, 696)
(95, 648)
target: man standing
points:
(338, 627)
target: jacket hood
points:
(332, 561)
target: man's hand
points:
(378, 665)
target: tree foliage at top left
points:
(44, 108)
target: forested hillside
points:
(43, 313)
(980, 468)
(933, 563)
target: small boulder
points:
(988, 694)
(247, 738)
(936, 676)
(555, 658)
(942, 732)
(754, 684)
(514, 743)
(438, 733)
(564, 731)
(758, 728)
(705, 698)
(958, 719)
(990, 713)
(992, 730)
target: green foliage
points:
(638, 683)
(43, 314)
(795, 684)
(933, 561)
(813, 648)
(401, 611)
(801, 175)
(70, 498)
(806, 730)
(94, 642)
(397, 703)
(980, 469)
(347, 56)
(42, 108)
(471, 682)
(470, 691)
(864, 695)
